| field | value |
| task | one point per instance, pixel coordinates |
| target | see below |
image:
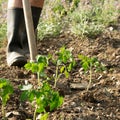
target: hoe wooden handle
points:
(30, 29)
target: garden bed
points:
(101, 102)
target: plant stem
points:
(3, 112)
(90, 80)
(34, 116)
(38, 77)
(56, 76)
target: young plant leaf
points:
(6, 89)
(62, 69)
(44, 116)
(66, 74)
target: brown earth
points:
(101, 102)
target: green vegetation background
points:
(81, 18)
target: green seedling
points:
(6, 90)
(38, 67)
(90, 64)
(64, 63)
(43, 99)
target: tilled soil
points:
(100, 102)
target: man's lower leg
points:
(16, 30)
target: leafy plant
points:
(44, 98)
(82, 18)
(104, 12)
(38, 67)
(64, 63)
(82, 23)
(92, 19)
(59, 7)
(74, 4)
(6, 90)
(90, 64)
(49, 27)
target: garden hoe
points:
(30, 30)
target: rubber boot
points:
(17, 37)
